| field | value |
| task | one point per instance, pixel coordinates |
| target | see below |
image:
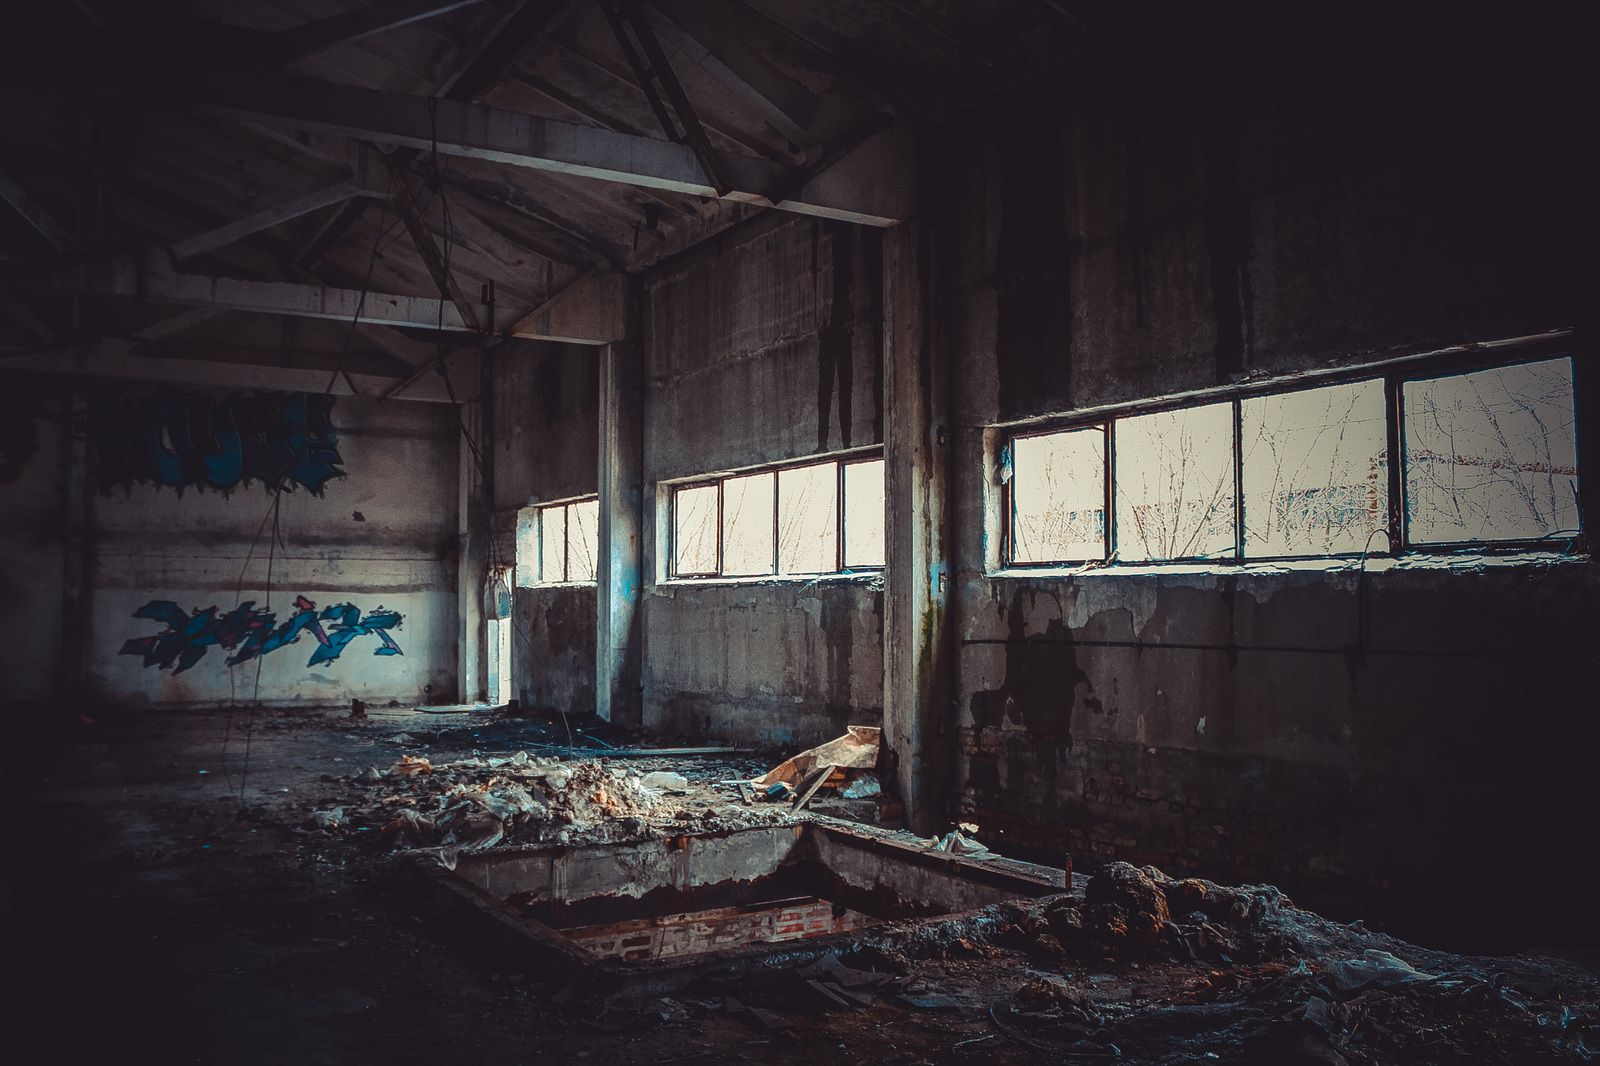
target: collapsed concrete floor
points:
(165, 902)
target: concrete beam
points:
(113, 359)
(620, 577)
(918, 660)
(591, 313)
(857, 188)
(211, 240)
(319, 36)
(36, 216)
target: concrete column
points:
(618, 646)
(76, 586)
(471, 564)
(917, 654)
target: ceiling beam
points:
(323, 34)
(166, 327)
(222, 236)
(114, 359)
(442, 277)
(786, 104)
(36, 216)
(877, 199)
(20, 311)
(593, 313)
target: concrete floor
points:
(157, 919)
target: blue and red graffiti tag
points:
(253, 632)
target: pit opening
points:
(719, 900)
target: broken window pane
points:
(694, 532)
(808, 519)
(527, 547)
(1058, 495)
(747, 525)
(583, 539)
(1174, 482)
(1316, 478)
(553, 544)
(1491, 455)
(864, 503)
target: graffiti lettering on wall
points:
(253, 632)
(186, 439)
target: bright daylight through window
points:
(558, 543)
(1490, 458)
(814, 518)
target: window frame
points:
(539, 510)
(1394, 374)
(840, 461)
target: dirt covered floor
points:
(163, 905)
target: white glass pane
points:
(1174, 482)
(527, 547)
(1492, 455)
(552, 544)
(747, 525)
(808, 519)
(694, 531)
(1058, 484)
(864, 505)
(1316, 471)
(583, 540)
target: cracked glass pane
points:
(1174, 484)
(808, 519)
(552, 543)
(1316, 471)
(1058, 492)
(864, 504)
(694, 531)
(747, 525)
(583, 540)
(1492, 455)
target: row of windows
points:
(820, 518)
(1489, 456)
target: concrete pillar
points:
(917, 653)
(76, 586)
(472, 564)
(618, 646)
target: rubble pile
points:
(475, 803)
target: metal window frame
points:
(844, 558)
(839, 461)
(1393, 373)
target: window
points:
(1490, 458)
(558, 543)
(1492, 455)
(811, 518)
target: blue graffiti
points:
(186, 439)
(254, 633)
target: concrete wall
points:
(764, 345)
(31, 521)
(1255, 190)
(383, 536)
(547, 424)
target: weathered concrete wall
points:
(31, 521)
(546, 414)
(1256, 190)
(765, 345)
(547, 424)
(771, 663)
(383, 536)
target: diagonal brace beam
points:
(426, 246)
